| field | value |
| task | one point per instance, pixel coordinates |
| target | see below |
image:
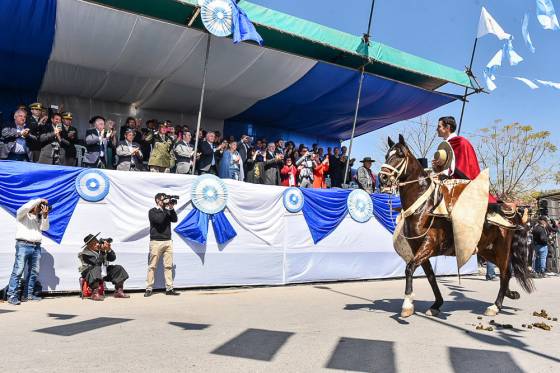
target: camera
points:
(44, 204)
(103, 240)
(170, 199)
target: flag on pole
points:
(549, 83)
(491, 68)
(243, 28)
(512, 56)
(525, 33)
(529, 82)
(488, 25)
(546, 15)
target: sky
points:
(444, 31)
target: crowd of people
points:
(42, 136)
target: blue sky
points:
(444, 31)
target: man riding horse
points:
(449, 217)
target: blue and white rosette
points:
(92, 185)
(360, 205)
(217, 16)
(209, 195)
(293, 200)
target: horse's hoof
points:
(406, 312)
(491, 311)
(432, 312)
(513, 295)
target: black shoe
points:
(171, 292)
(148, 293)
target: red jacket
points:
(285, 175)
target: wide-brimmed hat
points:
(444, 154)
(90, 237)
(367, 159)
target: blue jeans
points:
(490, 270)
(25, 253)
(540, 262)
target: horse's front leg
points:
(424, 252)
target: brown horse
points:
(430, 236)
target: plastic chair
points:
(86, 291)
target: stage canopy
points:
(122, 57)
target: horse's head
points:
(397, 164)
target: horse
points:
(430, 236)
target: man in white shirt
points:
(32, 219)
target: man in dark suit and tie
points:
(209, 155)
(96, 144)
(54, 142)
(243, 147)
(18, 139)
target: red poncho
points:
(466, 161)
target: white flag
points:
(546, 15)
(527, 81)
(525, 33)
(491, 68)
(549, 83)
(489, 81)
(488, 25)
(513, 57)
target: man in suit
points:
(243, 147)
(210, 155)
(54, 142)
(96, 144)
(72, 139)
(129, 153)
(36, 122)
(272, 164)
(18, 139)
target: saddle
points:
(447, 193)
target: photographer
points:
(306, 164)
(161, 245)
(95, 269)
(32, 219)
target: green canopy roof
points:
(308, 39)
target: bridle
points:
(394, 173)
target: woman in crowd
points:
(230, 164)
(320, 172)
(288, 173)
(255, 168)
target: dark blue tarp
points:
(322, 103)
(26, 42)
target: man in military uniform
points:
(36, 122)
(72, 133)
(162, 145)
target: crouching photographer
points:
(161, 245)
(96, 269)
(32, 219)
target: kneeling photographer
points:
(161, 245)
(95, 267)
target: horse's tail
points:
(519, 259)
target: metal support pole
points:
(202, 92)
(354, 125)
(469, 72)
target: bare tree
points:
(517, 157)
(421, 137)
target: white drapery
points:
(272, 246)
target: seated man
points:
(95, 267)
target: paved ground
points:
(307, 328)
